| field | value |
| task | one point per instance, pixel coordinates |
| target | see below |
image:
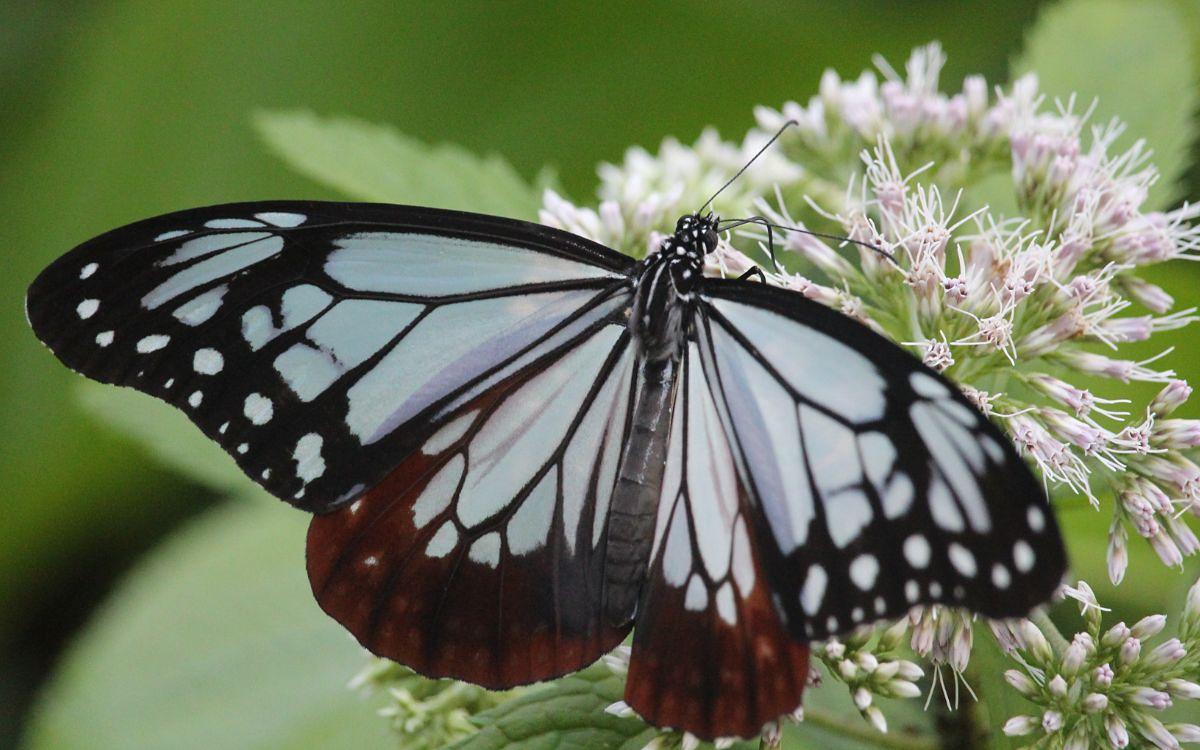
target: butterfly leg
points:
(755, 271)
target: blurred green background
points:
(116, 111)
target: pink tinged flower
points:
(1185, 689)
(1149, 626)
(1118, 734)
(1020, 682)
(1118, 553)
(1177, 434)
(981, 400)
(1173, 395)
(1153, 297)
(1052, 721)
(955, 289)
(1153, 730)
(1166, 653)
(1073, 659)
(1094, 703)
(1124, 370)
(1166, 549)
(1131, 649)
(937, 354)
(1183, 535)
(1115, 636)
(1103, 675)
(1121, 330)
(1187, 733)
(1019, 726)
(1057, 686)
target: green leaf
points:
(165, 432)
(377, 163)
(1136, 57)
(568, 713)
(213, 642)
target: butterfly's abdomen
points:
(636, 496)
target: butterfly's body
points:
(659, 323)
(518, 444)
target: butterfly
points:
(518, 445)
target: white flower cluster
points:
(1020, 306)
(1105, 687)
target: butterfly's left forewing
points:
(320, 343)
(877, 485)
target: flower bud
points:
(1188, 733)
(1020, 682)
(1183, 689)
(1151, 698)
(1094, 703)
(1073, 659)
(877, 719)
(1019, 726)
(1052, 721)
(1115, 636)
(1148, 626)
(1173, 395)
(1103, 675)
(1130, 651)
(1118, 735)
(1036, 643)
(1057, 686)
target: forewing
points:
(319, 343)
(481, 556)
(880, 485)
(711, 653)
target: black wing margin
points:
(320, 343)
(877, 483)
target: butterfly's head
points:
(697, 233)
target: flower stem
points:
(838, 724)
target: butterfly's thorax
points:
(659, 322)
(663, 289)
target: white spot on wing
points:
(209, 244)
(926, 385)
(917, 551)
(962, 560)
(309, 463)
(1036, 518)
(104, 338)
(677, 554)
(942, 507)
(208, 361)
(1023, 556)
(529, 527)
(258, 409)
(87, 308)
(152, 343)
(847, 514)
(436, 495)
(486, 550)
(88, 270)
(1001, 578)
(864, 570)
(813, 591)
(282, 218)
(726, 607)
(221, 264)
(195, 399)
(200, 308)
(172, 235)
(743, 558)
(696, 598)
(444, 541)
(232, 224)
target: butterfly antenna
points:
(766, 146)
(763, 222)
